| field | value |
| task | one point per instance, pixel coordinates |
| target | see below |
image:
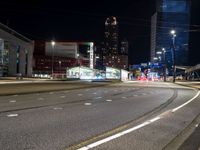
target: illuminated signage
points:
(91, 55)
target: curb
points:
(187, 86)
(183, 135)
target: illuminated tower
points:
(171, 14)
(110, 52)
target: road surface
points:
(132, 115)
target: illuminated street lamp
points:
(173, 33)
(60, 62)
(164, 51)
(52, 62)
(155, 58)
(159, 53)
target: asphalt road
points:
(73, 119)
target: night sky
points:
(84, 21)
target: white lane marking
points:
(189, 101)
(124, 97)
(12, 101)
(87, 104)
(94, 93)
(144, 94)
(15, 95)
(87, 90)
(12, 115)
(80, 94)
(108, 100)
(51, 92)
(41, 98)
(63, 96)
(57, 108)
(98, 97)
(119, 134)
(135, 95)
(196, 125)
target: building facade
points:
(16, 53)
(171, 15)
(112, 52)
(56, 59)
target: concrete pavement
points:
(58, 101)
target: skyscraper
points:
(111, 36)
(171, 15)
(112, 54)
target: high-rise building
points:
(112, 54)
(171, 15)
(111, 36)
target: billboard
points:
(62, 49)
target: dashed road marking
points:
(80, 94)
(98, 97)
(51, 92)
(12, 115)
(87, 104)
(63, 96)
(108, 100)
(148, 122)
(135, 95)
(95, 93)
(41, 98)
(12, 101)
(57, 108)
(124, 97)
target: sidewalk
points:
(194, 84)
(193, 141)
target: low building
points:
(16, 53)
(55, 59)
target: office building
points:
(114, 54)
(170, 15)
(15, 53)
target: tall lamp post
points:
(173, 33)
(52, 61)
(164, 51)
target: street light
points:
(155, 58)
(164, 51)
(59, 66)
(52, 61)
(173, 33)
(158, 52)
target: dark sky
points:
(84, 20)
